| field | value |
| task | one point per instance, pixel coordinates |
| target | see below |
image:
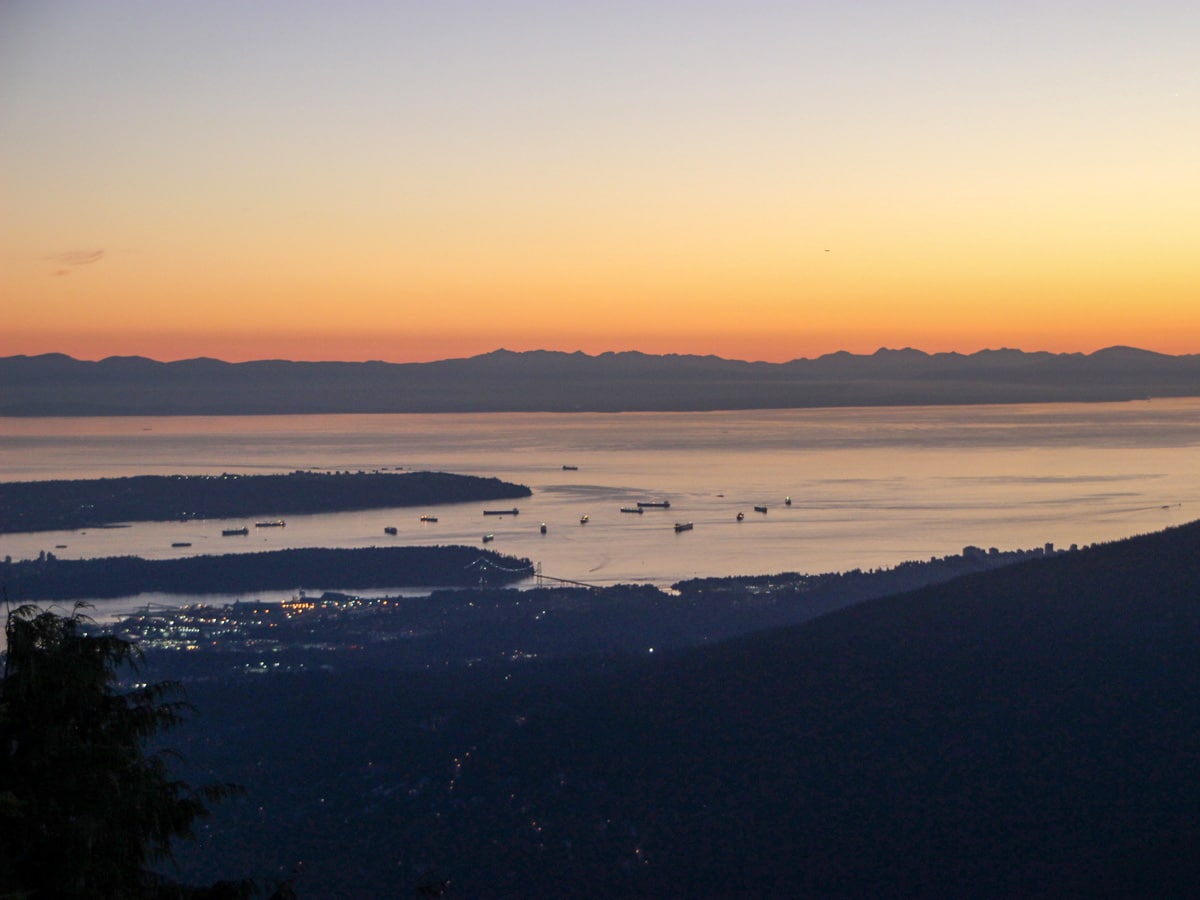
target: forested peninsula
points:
(49, 578)
(91, 503)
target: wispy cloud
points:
(70, 260)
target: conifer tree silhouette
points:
(85, 808)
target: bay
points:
(868, 486)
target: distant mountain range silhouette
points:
(553, 381)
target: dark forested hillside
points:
(1030, 731)
(565, 382)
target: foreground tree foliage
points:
(85, 808)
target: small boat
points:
(181, 544)
(233, 532)
(543, 529)
(428, 518)
(273, 523)
(390, 529)
(633, 509)
(583, 520)
(570, 468)
(761, 509)
(488, 538)
(787, 501)
(741, 516)
(682, 526)
(655, 504)
(502, 512)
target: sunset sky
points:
(412, 181)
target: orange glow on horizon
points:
(668, 178)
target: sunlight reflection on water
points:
(869, 487)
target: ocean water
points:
(868, 486)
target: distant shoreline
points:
(52, 579)
(545, 381)
(105, 502)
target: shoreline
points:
(72, 505)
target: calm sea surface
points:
(869, 487)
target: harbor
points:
(867, 487)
